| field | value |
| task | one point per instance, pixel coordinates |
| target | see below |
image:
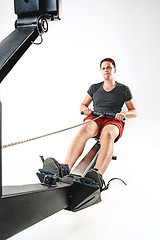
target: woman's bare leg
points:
(86, 132)
(108, 135)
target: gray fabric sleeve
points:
(127, 95)
(91, 90)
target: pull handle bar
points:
(104, 114)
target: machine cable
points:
(107, 186)
(46, 135)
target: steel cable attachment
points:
(48, 134)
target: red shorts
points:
(103, 121)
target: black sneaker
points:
(54, 167)
(97, 177)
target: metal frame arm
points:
(14, 46)
(32, 21)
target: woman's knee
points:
(89, 130)
(109, 133)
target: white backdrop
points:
(43, 92)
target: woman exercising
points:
(107, 96)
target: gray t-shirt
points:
(109, 101)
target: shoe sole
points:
(50, 165)
(95, 177)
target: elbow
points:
(135, 113)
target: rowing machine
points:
(21, 206)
